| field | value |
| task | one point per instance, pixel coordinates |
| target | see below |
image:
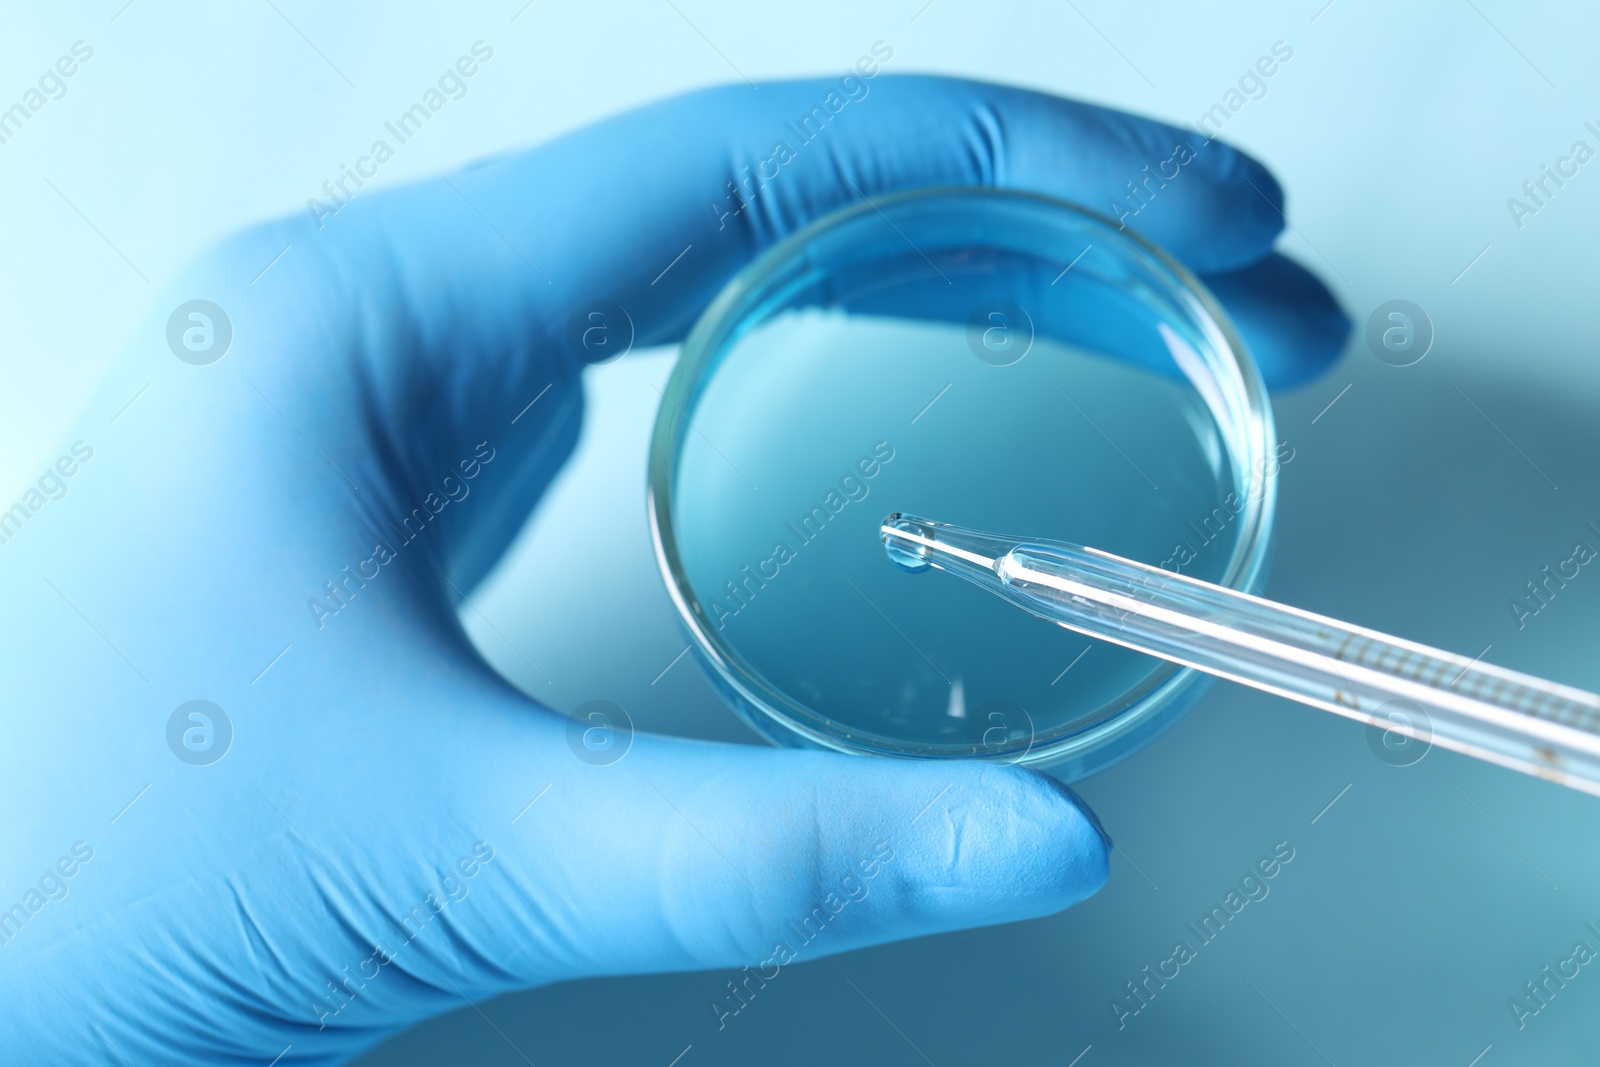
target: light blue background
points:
(1415, 905)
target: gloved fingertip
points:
(1290, 320)
(1269, 203)
(1219, 210)
(1085, 810)
(1006, 844)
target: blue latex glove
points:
(365, 855)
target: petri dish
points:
(994, 359)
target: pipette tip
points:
(904, 539)
(915, 544)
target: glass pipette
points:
(1515, 720)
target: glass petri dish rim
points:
(1088, 749)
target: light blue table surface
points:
(1419, 503)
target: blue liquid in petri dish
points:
(817, 423)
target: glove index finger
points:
(1207, 203)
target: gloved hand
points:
(392, 830)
